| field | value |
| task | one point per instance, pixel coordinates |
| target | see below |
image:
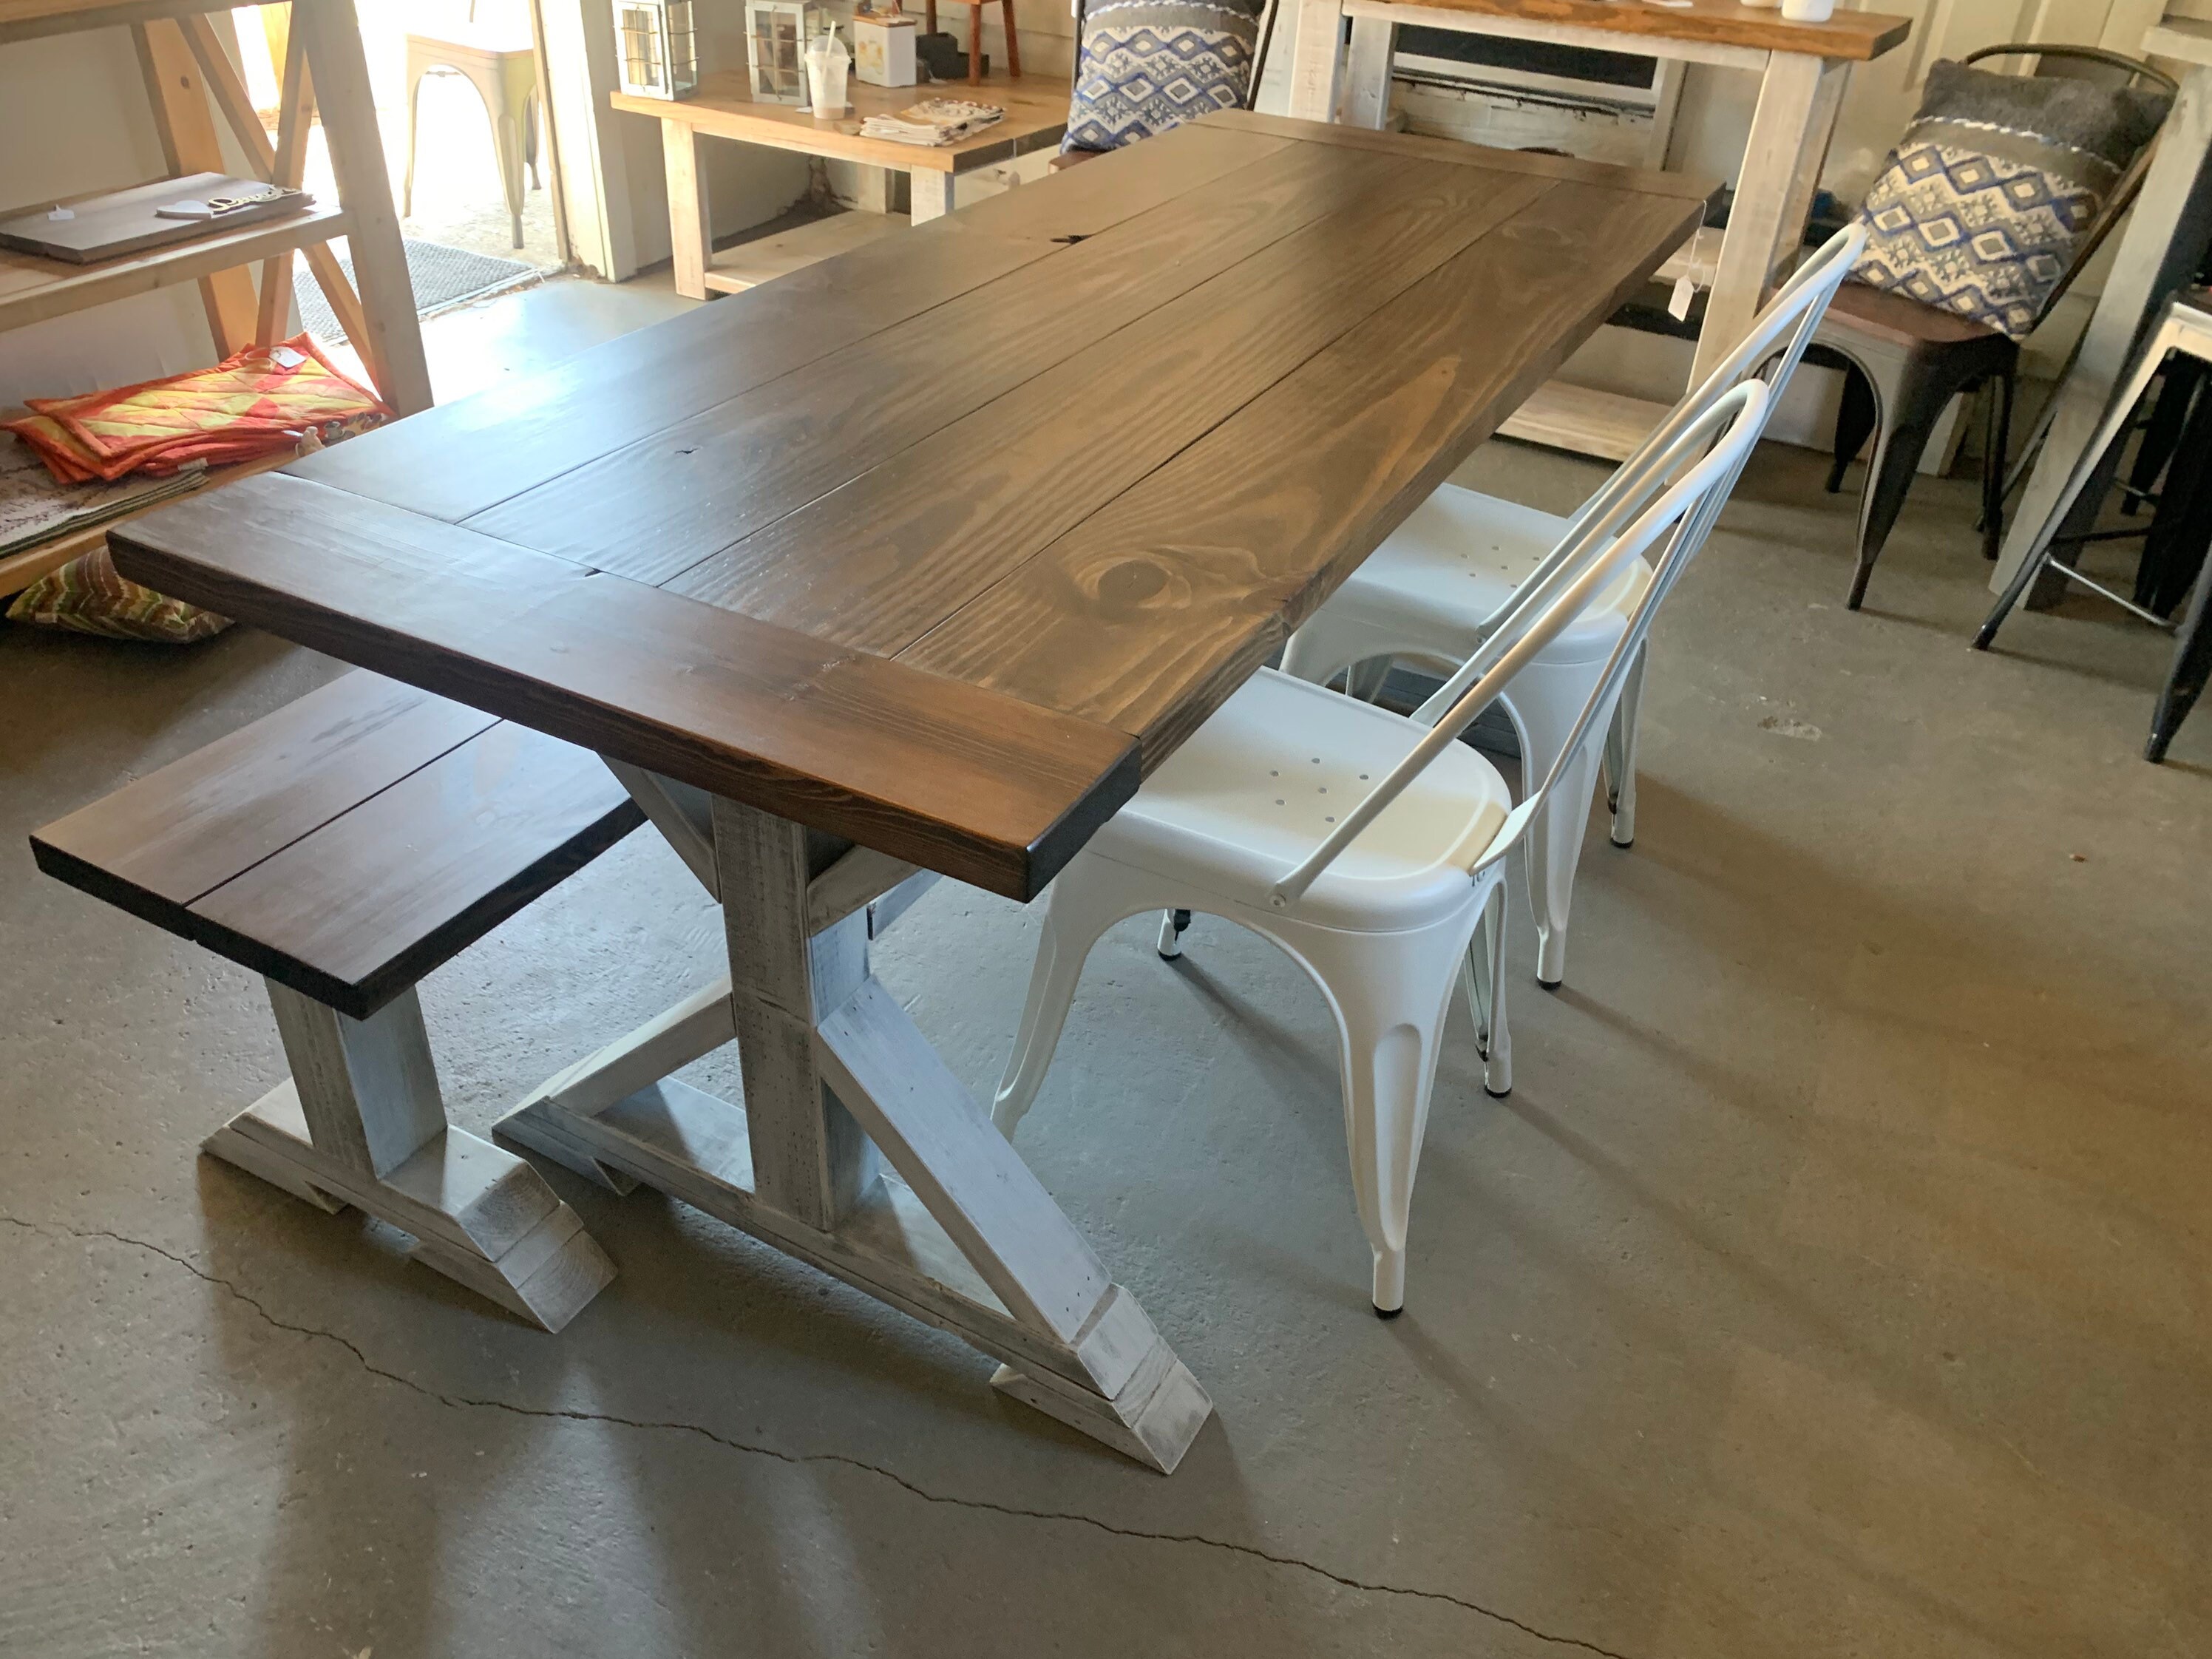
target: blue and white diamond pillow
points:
(1147, 65)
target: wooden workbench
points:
(724, 107)
(1802, 70)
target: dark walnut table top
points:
(940, 544)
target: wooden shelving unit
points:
(19, 570)
(191, 83)
(33, 289)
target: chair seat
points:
(1460, 556)
(1263, 783)
(1899, 320)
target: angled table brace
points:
(838, 1083)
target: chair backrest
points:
(1709, 452)
(1770, 350)
(1266, 24)
(2105, 68)
(2127, 71)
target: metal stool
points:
(2184, 326)
(502, 64)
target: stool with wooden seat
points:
(502, 64)
(975, 35)
(343, 847)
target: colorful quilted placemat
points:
(261, 401)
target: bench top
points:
(349, 843)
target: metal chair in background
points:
(1904, 361)
(1440, 582)
(2185, 326)
(1372, 847)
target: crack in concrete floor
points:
(458, 1401)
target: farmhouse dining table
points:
(916, 561)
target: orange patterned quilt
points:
(258, 401)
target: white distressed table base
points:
(956, 1231)
(479, 1215)
(693, 1146)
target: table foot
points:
(478, 1214)
(1116, 1381)
(1153, 1419)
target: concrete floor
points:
(1834, 1282)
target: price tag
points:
(1678, 306)
(285, 357)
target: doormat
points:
(442, 277)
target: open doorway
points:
(459, 88)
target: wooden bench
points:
(342, 848)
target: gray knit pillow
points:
(1994, 183)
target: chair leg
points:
(1621, 753)
(1364, 680)
(1555, 851)
(507, 143)
(1854, 419)
(1545, 700)
(407, 179)
(2117, 413)
(2185, 680)
(2162, 432)
(1482, 977)
(1998, 439)
(1170, 944)
(1089, 897)
(1326, 644)
(2174, 550)
(1391, 992)
(1903, 433)
(1013, 40)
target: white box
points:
(883, 49)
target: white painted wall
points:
(50, 149)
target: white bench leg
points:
(361, 1121)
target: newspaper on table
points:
(934, 121)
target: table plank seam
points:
(1096, 242)
(984, 593)
(1290, 230)
(111, 888)
(1287, 600)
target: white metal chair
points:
(1440, 582)
(1368, 845)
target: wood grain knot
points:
(1136, 584)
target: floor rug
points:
(442, 277)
